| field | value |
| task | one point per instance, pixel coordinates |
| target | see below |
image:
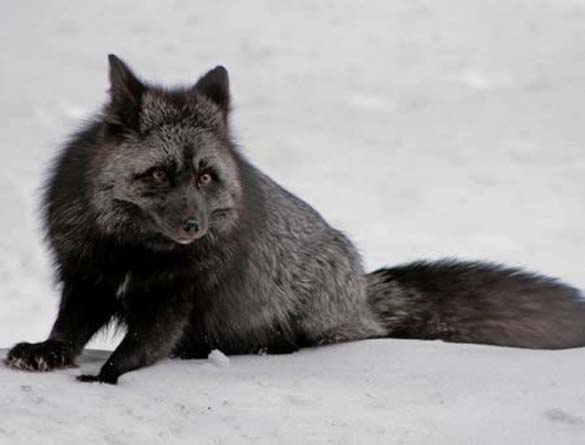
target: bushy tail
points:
(474, 302)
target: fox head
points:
(167, 168)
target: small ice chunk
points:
(218, 358)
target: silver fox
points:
(158, 222)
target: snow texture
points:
(372, 392)
(422, 129)
(218, 358)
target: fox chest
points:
(241, 320)
(231, 318)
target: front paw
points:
(87, 378)
(44, 356)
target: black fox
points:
(157, 221)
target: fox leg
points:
(84, 309)
(155, 325)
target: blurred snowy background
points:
(423, 129)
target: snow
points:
(377, 391)
(423, 129)
(218, 358)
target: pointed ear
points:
(125, 93)
(215, 85)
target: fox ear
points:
(125, 93)
(215, 85)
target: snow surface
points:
(372, 392)
(421, 128)
(218, 358)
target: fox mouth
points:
(185, 240)
(173, 234)
(170, 234)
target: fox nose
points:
(190, 227)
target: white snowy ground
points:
(421, 128)
(373, 392)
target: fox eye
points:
(204, 179)
(158, 175)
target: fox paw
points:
(42, 357)
(87, 378)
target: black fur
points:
(475, 302)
